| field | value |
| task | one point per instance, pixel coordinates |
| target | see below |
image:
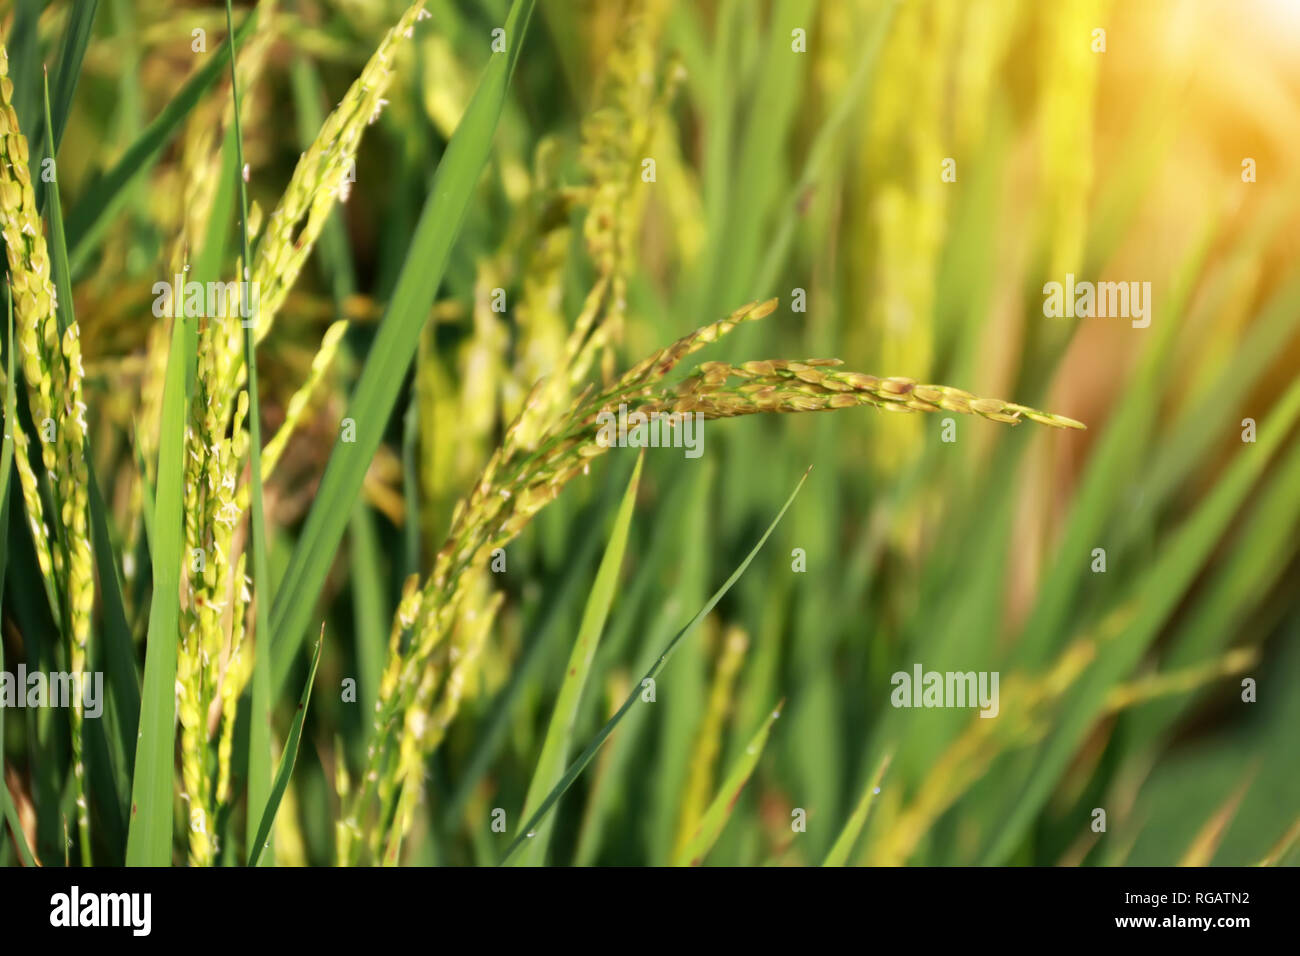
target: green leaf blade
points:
(262, 841)
(579, 764)
(393, 349)
(559, 733)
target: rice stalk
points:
(541, 453)
(714, 819)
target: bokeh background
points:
(787, 161)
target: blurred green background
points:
(799, 151)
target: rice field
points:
(409, 412)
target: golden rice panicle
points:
(779, 385)
(539, 313)
(52, 365)
(322, 176)
(239, 668)
(428, 683)
(656, 366)
(211, 517)
(35, 509)
(36, 327)
(519, 480)
(426, 723)
(53, 369)
(616, 137)
(32, 502)
(296, 410)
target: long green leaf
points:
(76, 37)
(88, 220)
(150, 836)
(262, 841)
(259, 726)
(559, 734)
(584, 758)
(24, 48)
(393, 349)
(149, 839)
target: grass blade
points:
(393, 349)
(839, 853)
(262, 800)
(584, 758)
(150, 835)
(715, 818)
(75, 40)
(550, 765)
(287, 760)
(76, 37)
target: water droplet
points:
(531, 834)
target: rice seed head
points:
(35, 508)
(659, 364)
(322, 171)
(818, 385)
(52, 367)
(296, 410)
(520, 479)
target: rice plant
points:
(366, 368)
